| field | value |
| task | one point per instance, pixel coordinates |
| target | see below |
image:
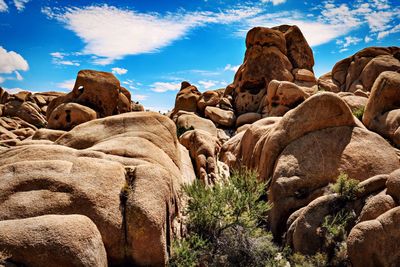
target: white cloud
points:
(111, 33)
(367, 39)
(20, 4)
(383, 34)
(131, 84)
(274, 2)
(11, 61)
(348, 41)
(231, 68)
(18, 76)
(161, 87)
(207, 84)
(14, 90)
(3, 6)
(67, 84)
(139, 97)
(119, 71)
(59, 59)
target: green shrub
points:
(346, 188)
(226, 218)
(182, 130)
(300, 260)
(359, 112)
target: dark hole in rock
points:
(253, 87)
(68, 117)
(301, 193)
(81, 89)
(296, 103)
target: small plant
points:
(300, 260)
(359, 112)
(225, 219)
(346, 188)
(335, 225)
(181, 130)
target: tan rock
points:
(67, 116)
(375, 242)
(247, 118)
(187, 98)
(382, 112)
(186, 120)
(221, 117)
(53, 240)
(26, 111)
(376, 206)
(47, 134)
(208, 98)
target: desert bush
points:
(345, 187)
(225, 221)
(359, 112)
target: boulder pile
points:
(84, 181)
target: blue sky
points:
(151, 46)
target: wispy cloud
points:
(210, 83)
(274, 2)
(3, 6)
(111, 33)
(18, 76)
(67, 84)
(139, 97)
(59, 58)
(119, 71)
(161, 87)
(229, 67)
(20, 4)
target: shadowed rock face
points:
(122, 172)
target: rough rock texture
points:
(376, 242)
(97, 90)
(186, 120)
(187, 98)
(203, 148)
(68, 115)
(276, 53)
(221, 117)
(281, 97)
(53, 240)
(108, 170)
(382, 112)
(359, 71)
(306, 149)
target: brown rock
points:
(376, 206)
(208, 98)
(281, 97)
(67, 116)
(47, 134)
(27, 111)
(382, 112)
(186, 120)
(247, 118)
(221, 117)
(53, 240)
(203, 149)
(375, 242)
(187, 98)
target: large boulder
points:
(26, 111)
(306, 149)
(68, 115)
(279, 53)
(221, 117)
(382, 112)
(203, 149)
(106, 169)
(359, 71)
(376, 242)
(53, 240)
(187, 98)
(97, 90)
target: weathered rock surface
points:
(359, 71)
(68, 115)
(221, 117)
(280, 53)
(108, 170)
(203, 148)
(187, 98)
(382, 112)
(376, 242)
(53, 240)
